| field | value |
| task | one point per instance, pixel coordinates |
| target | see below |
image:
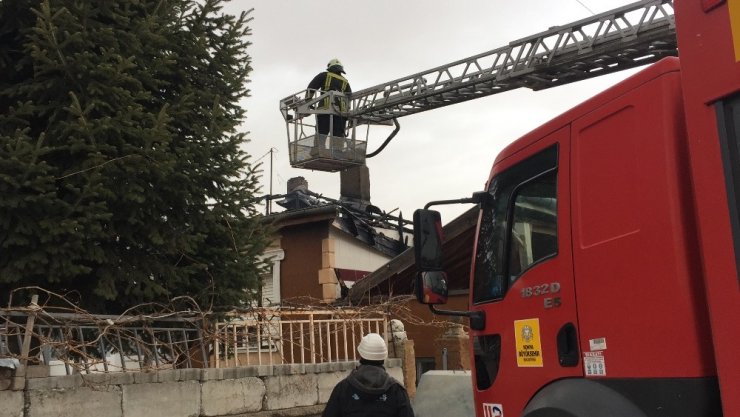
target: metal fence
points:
(293, 337)
(79, 343)
(71, 343)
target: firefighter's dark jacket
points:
(368, 392)
(331, 81)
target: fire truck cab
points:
(605, 271)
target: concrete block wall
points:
(295, 390)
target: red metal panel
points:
(515, 385)
(710, 71)
(635, 266)
(637, 272)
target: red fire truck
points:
(605, 274)
(604, 278)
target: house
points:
(322, 247)
(349, 254)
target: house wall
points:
(299, 268)
(426, 336)
(351, 253)
(313, 251)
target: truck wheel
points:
(580, 398)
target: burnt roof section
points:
(397, 275)
(303, 215)
(304, 206)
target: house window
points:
(423, 365)
(266, 296)
(270, 281)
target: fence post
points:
(33, 307)
(217, 346)
(312, 337)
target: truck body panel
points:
(605, 275)
(636, 267)
(709, 43)
(626, 269)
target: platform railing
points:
(310, 149)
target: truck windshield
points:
(519, 225)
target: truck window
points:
(520, 217)
(533, 234)
(728, 118)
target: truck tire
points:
(580, 398)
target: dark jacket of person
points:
(331, 80)
(368, 392)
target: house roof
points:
(303, 215)
(399, 272)
(305, 207)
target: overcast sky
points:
(441, 154)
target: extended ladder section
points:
(623, 38)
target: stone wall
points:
(257, 391)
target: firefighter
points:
(328, 124)
(369, 391)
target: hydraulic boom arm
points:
(630, 36)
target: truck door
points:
(523, 279)
(709, 38)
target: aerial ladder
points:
(623, 38)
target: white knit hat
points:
(372, 347)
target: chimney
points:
(297, 195)
(297, 184)
(355, 186)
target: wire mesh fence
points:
(77, 342)
(70, 343)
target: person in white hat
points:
(369, 391)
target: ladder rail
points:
(627, 37)
(590, 47)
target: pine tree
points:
(121, 169)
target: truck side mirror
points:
(431, 287)
(428, 240)
(431, 280)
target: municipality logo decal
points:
(493, 410)
(527, 333)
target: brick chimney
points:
(355, 186)
(297, 184)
